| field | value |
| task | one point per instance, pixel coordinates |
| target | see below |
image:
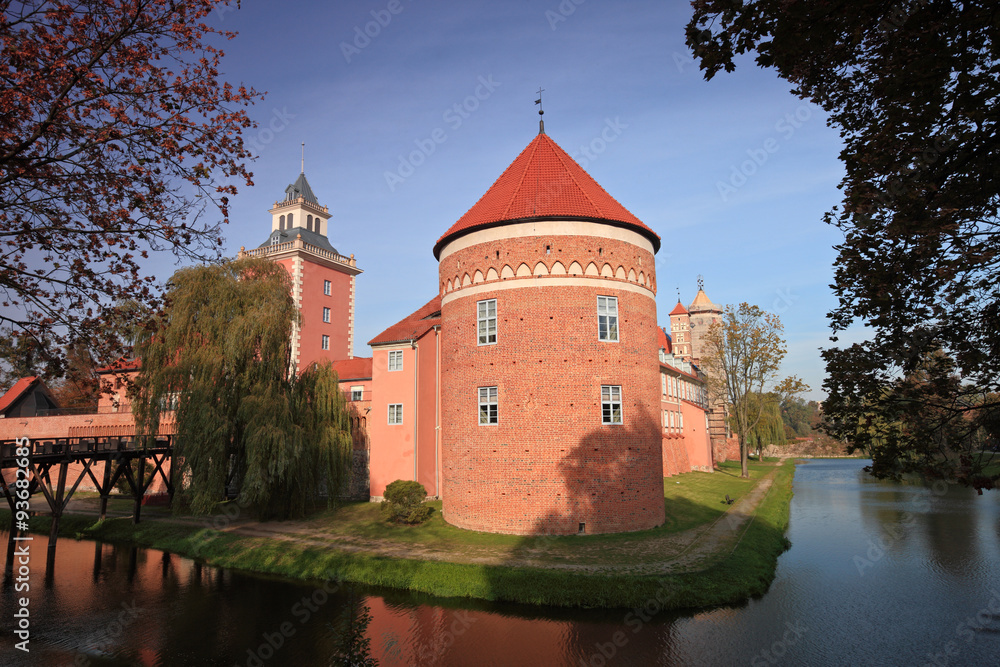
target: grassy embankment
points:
(745, 572)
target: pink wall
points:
(696, 437)
(391, 446)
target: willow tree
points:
(770, 429)
(220, 362)
(743, 355)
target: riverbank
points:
(707, 553)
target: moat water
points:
(878, 574)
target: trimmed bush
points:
(404, 502)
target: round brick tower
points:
(550, 383)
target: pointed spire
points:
(303, 158)
(541, 112)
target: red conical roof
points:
(545, 182)
(679, 309)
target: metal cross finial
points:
(701, 282)
(541, 112)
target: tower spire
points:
(303, 157)
(541, 112)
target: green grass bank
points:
(745, 572)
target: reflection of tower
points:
(550, 401)
(322, 279)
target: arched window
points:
(291, 220)
(281, 223)
(309, 222)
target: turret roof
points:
(300, 188)
(679, 309)
(544, 182)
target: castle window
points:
(607, 318)
(663, 381)
(611, 404)
(488, 406)
(395, 413)
(309, 222)
(357, 393)
(291, 219)
(326, 287)
(395, 360)
(326, 314)
(326, 342)
(281, 223)
(487, 313)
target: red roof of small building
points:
(19, 389)
(413, 326)
(358, 368)
(664, 339)
(545, 182)
(679, 309)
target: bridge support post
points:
(57, 507)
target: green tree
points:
(743, 353)
(770, 430)
(913, 87)
(220, 362)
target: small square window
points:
(487, 319)
(357, 393)
(488, 406)
(395, 360)
(607, 318)
(611, 404)
(326, 287)
(326, 342)
(395, 413)
(326, 314)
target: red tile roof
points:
(413, 326)
(20, 388)
(358, 368)
(664, 339)
(679, 309)
(545, 182)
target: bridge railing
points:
(80, 447)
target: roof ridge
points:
(576, 182)
(527, 167)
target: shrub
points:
(404, 502)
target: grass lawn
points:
(696, 500)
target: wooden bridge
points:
(50, 458)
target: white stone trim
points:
(547, 281)
(547, 228)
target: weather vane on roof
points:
(303, 157)
(541, 112)
(678, 294)
(701, 282)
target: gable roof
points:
(20, 388)
(413, 326)
(544, 182)
(358, 368)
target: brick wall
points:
(550, 464)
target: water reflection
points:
(877, 574)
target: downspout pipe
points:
(416, 370)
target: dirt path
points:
(686, 551)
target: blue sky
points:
(734, 174)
